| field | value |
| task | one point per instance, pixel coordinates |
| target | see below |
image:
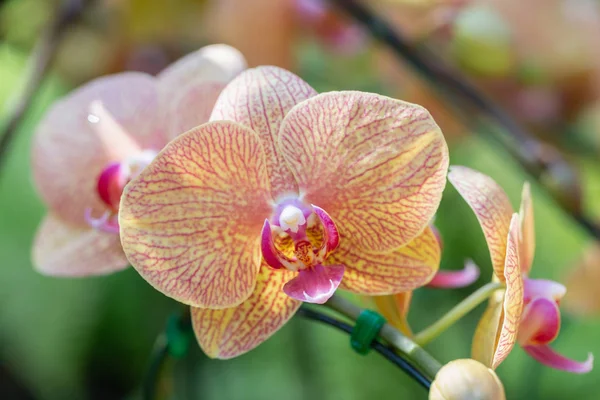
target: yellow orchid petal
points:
(488, 328)
(229, 332)
(527, 229)
(190, 222)
(497, 331)
(259, 98)
(513, 296)
(376, 164)
(394, 309)
(401, 270)
(62, 249)
(491, 206)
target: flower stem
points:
(413, 352)
(456, 313)
(385, 350)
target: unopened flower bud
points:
(466, 379)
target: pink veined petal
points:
(230, 332)
(456, 279)
(376, 274)
(62, 249)
(512, 307)
(104, 121)
(540, 322)
(491, 206)
(316, 284)
(546, 355)
(259, 98)
(543, 288)
(190, 222)
(376, 164)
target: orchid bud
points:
(466, 379)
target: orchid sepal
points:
(546, 355)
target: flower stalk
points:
(456, 313)
(411, 350)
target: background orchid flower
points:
(285, 195)
(527, 310)
(583, 297)
(93, 141)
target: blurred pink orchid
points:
(91, 143)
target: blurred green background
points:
(91, 338)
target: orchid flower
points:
(92, 142)
(284, 196)
(526, 312)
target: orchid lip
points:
(315, 283)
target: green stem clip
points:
(368, 325)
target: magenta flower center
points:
(109, 187)
(299, 237)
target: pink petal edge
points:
(456, 279)
(316, 284)
(545, 355)
(332, 236)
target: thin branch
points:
(386, 351)
(38, 64)
(536, 157)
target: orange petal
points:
(376, 164)
(491, 206)
(72, 144)
(61, 249)
(259, 98)
(527, 229)
(401, 270)
(497, 331)
(229, 332)
(394, 309)
(190, 222)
